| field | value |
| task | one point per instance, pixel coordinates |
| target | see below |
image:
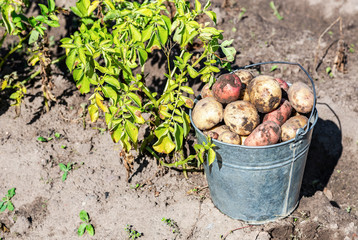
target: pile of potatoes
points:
(252, 111)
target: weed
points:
(132, 233)
(274, 67)
(6, 201)
(65, 169)
(275, 11)
(329, 71)
(349, 209)
(86, 225)
(351, 48)
(137, 186)
(242, 12)
(172, 224)
(57, 135)
(44, 139)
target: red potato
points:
(206, 91)
(241, 117)
(266, 133)
(265, 93)
(281, 114)
(283, 84)
(230, 137)
(207, 113)
(290, 127)
(301, 97)
(227, 88)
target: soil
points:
(48, 208)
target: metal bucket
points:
(259, 184)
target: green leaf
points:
(153, 43)
(64, 176)
(81, 229)
(164, 145)
(229, 53)
(143, 56)
(3, 207)
(167, 23)
(40, 18)
(211, 156)
(83, 85)
(211, 15)
(226, 43)
(163, 35)
(83, 6)
(147, 33)
(11, 192)
(197, 6)
(15, 95)
(93, 112)
(76, 11)
(187, 89)
(109, 92)
(52, 23)
(10, 206)
(160, 131)
(62, 167)
(135, 98)
(51, 5)
(111, 81)
(273, 68)
(70, 60)
(84, 216)
(43, 8)
(42, 139)
(186, 125)
(90, 229)
(34, 36)
(116, 134)
(82, 55)
(207, 5)
(192, 72)
(136, 36)
(179, 136)
(131, 130)
(136, 114)
(145, 12)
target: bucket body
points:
(257, 184)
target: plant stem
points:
(19, 45)
(3, 39)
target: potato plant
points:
(32, 35)
(107, 57)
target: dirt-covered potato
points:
(207, 113)
(265, 93)
(266, 133)
(217, 130)
(281, 114)
(283, 84)
(290, 127)
(241, 117)
(206, 91)
(301, 97)
(245, 77)
(227, 88)
(230, 137)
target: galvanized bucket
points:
(259, 184)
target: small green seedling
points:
(86, 225)
(349, 209)
(63, 146)
(137, 186)
(275, 11)
(329, 71)
(351, 48)
(132, 233)
(43, 139)
(58, 135)
(65, 169)
(274, 67)
(242, 12)
(172, 224)
(6, 201)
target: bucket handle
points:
(300, 132)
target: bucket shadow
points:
(325, 151)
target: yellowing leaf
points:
(164, 145)
(100, 103)
(93, 112)
(131, 130)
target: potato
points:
(243, 138)
(281, 114)
(266, 133)
(227, 88)
(217, 130)
(290, 127)
(244, 75)
(206, 91)
(230, 137)
(265, 93)
(283, 84)
(207, 113)
(241, 117)
(301, 97)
